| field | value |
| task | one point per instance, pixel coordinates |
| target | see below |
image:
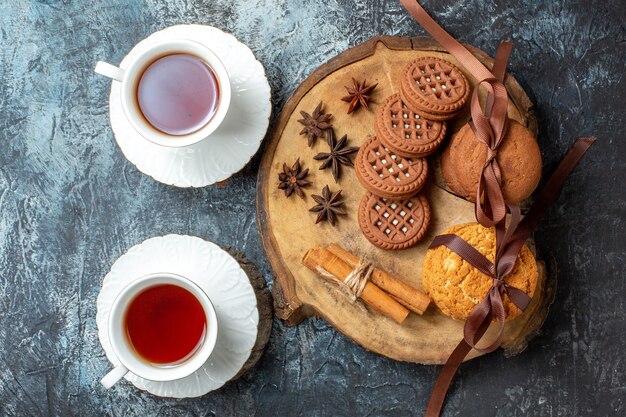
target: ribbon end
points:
(589, 139)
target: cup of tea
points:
(174, 92)
(162, 327)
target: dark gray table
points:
(70, 204)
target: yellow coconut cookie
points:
(456, 287)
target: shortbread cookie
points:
(394, 224)
(405, 132)
(434, 87)
(386, 174)
(457, 287)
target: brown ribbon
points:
(508, 244)
(489, 124)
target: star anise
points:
(329, 205)
(358, 95)
(316, 124)
(339, 154)
(293, 179)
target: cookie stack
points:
(389, 214)
(392, 167)
(434, 88)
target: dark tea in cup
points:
(165, 324)
(178, 94)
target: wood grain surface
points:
(288, 230)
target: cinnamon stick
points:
(410, 297)
(371, 295)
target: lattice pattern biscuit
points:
(405, 132)
(456, 287)
(434, 87)
(394, 224)
(386, 174)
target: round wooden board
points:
(288, 229)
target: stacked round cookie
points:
(389, 214)
(435, 88)
(392, 167)
(406, 132)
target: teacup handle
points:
(113, 376)
(109, 70)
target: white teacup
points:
(131, 75)
(130, 361)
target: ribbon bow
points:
(492, 305)
(509, 241)
(489, 124)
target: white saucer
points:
(226, 284)
(231, 146)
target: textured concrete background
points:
(70, 204)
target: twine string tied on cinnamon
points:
(354, 284)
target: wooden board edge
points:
(287, 305)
